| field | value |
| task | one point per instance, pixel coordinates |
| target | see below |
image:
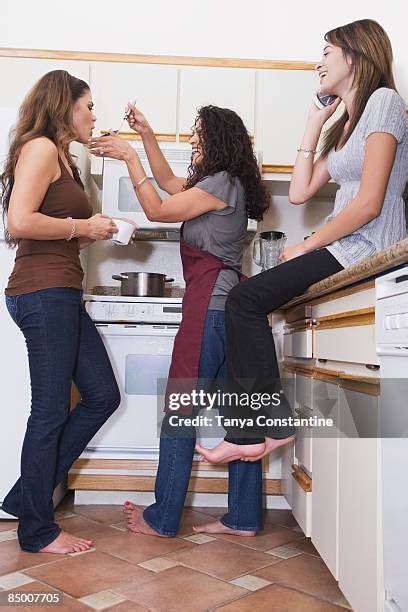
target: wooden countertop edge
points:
(383, 261)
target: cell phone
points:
(323, 100)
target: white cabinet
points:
(360, 568)
(288, 381)
(286, 98)
(304, 434)
(232, 88)
(298, 343)
(325, 458)
(21, 74)
(154, 88)
(354, 344)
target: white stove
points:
(122, 309)
(138, 334)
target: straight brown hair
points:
(366, 44)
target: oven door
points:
(140, 356)
(119, 198)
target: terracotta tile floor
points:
(278, 571)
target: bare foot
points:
(271, 444)
(226, 451)
(218, 527)
(135, 521)
(66, 543)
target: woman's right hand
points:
(100, 227)
(322, 115)
(137, 121)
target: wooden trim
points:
(298, 313)
(276, 169)
(298, 326)
(148, 464)
(172, 60)
(305, 370)
(346, 313)
(107, 482)
(160, 136)
(329, 297)
(303, 480)
(351, 318)
(360, 384)
(289, 367)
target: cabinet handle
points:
(303, 480)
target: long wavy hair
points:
(366, 45)
(46, 111)
(226, 146)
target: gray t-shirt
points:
(221, 232)
(384, 112)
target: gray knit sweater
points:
(384, 112)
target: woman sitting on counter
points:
(222, 190)
(366, 152)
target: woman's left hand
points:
(293, 251)
(110, 146)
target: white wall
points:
(257, 29)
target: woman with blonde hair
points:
(366, 152)
(49, 217)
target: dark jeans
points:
(177, 450)
(63, 346)
(251, 356)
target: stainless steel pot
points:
(142, 284)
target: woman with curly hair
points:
(222, 190)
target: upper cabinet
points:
(272, 103)
(232, 88)
(285, 97)
(153, 87)
(21, 74)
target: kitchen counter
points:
(385, 260)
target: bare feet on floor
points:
(226, 451)
(66, 543)
(218, 527)
(135, 521)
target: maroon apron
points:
(200, 270)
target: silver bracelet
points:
(139, 183)
(306, 152)
(72, 232)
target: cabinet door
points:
(232, 88)
(287, 452)
(360, 557)
(153, 87)
(304, 434)
(285, 99)
(21, 74)
(325, 459)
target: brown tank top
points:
(41, 264)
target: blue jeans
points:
(63, 346)
(176, 457)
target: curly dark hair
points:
(226, 146)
